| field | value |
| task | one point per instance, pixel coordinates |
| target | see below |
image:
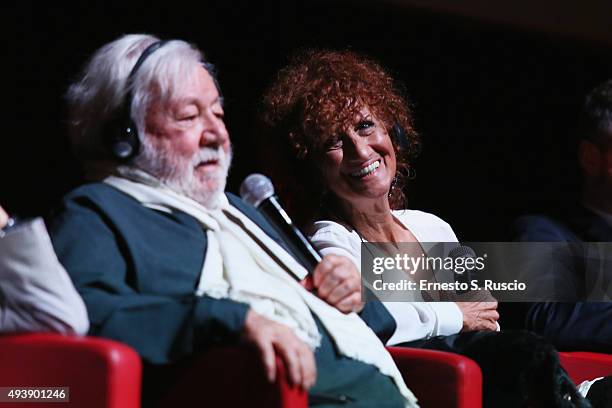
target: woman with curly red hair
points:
(313, 100)
(345, 141)
(340, 146)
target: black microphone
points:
(463, 251)
(258, 190)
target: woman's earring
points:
(393, 186)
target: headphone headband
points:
(145, 54)
(124, 142)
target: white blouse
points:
(415, 320)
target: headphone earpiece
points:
(122, 133)
(400, 136)
(403, 142)
(127, 145)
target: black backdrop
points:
(495, 105)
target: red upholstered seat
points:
(100, 373)
(107, 374)
(440, 379)
(583, 366)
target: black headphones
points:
(121, 132)
(400, 136)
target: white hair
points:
(99, 96)
(179, 175)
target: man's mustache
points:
(208, 154)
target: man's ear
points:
(589, 157)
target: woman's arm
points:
(414, 320)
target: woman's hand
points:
(479, 315)
(338, 282)
(3, 218)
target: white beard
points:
(179, 174)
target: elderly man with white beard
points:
(169, 264)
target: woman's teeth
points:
(366, 170)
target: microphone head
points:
(256, 188)
(462, 251)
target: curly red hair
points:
(316, 96)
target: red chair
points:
(440, 379)
(107, 374)
(229, 377)
(103, 373)
(99, 373)
(583, 366)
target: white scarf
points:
(237, 267)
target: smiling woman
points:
(336, 108)
(345, 143)
(360, 162)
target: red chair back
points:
(100, 373)
(582, 366)
(440, 379)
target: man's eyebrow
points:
(186, 100)
(195, 100)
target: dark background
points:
(495, 103)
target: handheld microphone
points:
(463, 251)
(258, 190)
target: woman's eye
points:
(364, 125)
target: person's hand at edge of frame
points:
(3, 218)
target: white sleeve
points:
(421, 320)
(36, 293)
(414, 320)
(332, 240)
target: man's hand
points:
(338, 282)
(3, 218)
(479, 315)
(270, 338)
